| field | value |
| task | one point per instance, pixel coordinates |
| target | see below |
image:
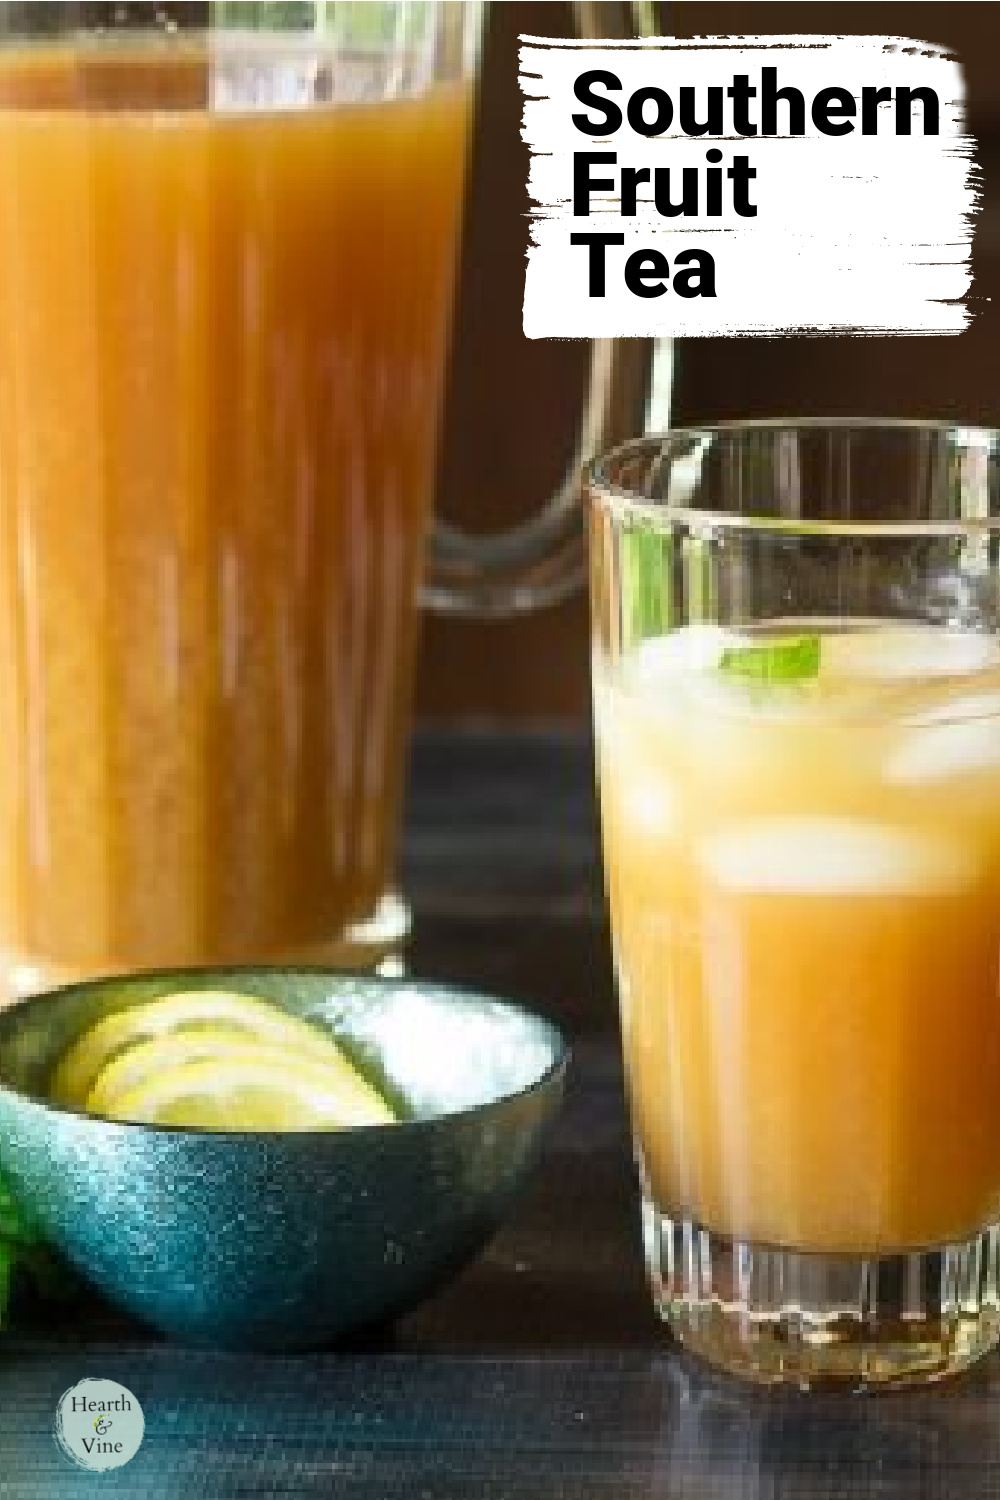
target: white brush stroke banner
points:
(862, 234)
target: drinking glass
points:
(228, 235)
(796, 670)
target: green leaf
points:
(6, 1281)
(25, 1258)
(647, 561)
(701, 578)
(265, 15)
(352, 22)
(791, 659)
(13, 1222)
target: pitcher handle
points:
(543, 560)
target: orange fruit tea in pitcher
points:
(223, 333)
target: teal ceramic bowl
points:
(285, 1240)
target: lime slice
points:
(187, 1012)
(252, 1088)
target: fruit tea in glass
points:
(796, 669)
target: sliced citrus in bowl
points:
(187, 1013)
(251, 1088)
(131, 1073)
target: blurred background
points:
(513, 403)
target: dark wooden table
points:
(540, 1372)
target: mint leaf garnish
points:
(7, 1257)
(24, 1256)
(791, 659)
(13, 1222)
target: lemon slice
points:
(162, 1055)
(252, 1088)
(187, 1013)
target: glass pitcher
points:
(228, 236)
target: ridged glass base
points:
(778, 1316)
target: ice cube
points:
(691, 648)
(963, 706)
(639, 790)
(648, 801)
(937, 752)
(900, 652)
(679, 675)
(827, 856)
(630, 772)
